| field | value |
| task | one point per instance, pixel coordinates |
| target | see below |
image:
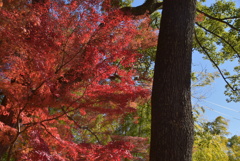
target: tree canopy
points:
(76, 77)
(67, 76)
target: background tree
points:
(234, 144)
(210, 140)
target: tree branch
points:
(214, 63)
(82, 127)
(218, 19)
(49, 131)
(149, 6)
(230, 18)
(220, 38)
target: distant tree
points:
(210, 141)
(210, 147)
(217, 127)
(234, 144)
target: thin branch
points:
(219, 38)
(28, 126)
(64, 52)
(218, 19)
(65, 45)
(233, 77)
(214, 63)
(61, 115)
(40, 85)
(49, 131)
(72, 58)
(82, 127)
(81, 51)
(230, 18)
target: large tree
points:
(172, 122)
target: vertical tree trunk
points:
(172, 123)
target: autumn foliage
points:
(66, 78)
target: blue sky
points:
(215, 102)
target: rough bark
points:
(172, 123)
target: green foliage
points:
(4, 158)
(209, 147)
(211, 142)
(120, 3)
(217, 37)
(234, 152)
(95, 130)
(125, 3)
(145, 64)
(200, 79)
(216, 127)
(137, 124)
(155, 19)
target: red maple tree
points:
(63, 65)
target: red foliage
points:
(199, 17)
(62, 65)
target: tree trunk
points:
(172, 122)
